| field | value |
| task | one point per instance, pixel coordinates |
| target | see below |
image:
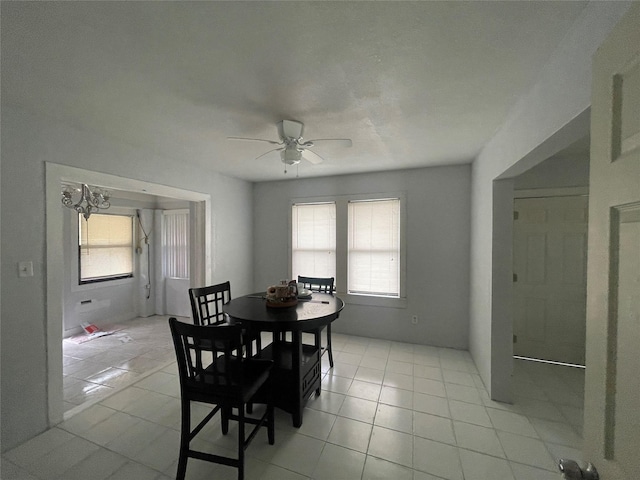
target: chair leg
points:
(225, 413)
(241, 442)
(184, 439)
(329, 345)
(271, 424)
(258, 345)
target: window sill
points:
(372, 301)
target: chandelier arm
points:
(88, 203)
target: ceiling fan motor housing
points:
(290, 129)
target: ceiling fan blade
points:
(312, 157)
(273, 142)
(345, 142)
(267, 152)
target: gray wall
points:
(556, 173)
(437, 250)
(30, 140)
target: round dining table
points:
(297, 367)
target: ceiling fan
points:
(291, 146)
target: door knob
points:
(572, 471)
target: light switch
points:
(25, 269)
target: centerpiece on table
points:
(283, 295)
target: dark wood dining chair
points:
(222, 379)
(207, 309)
(323, 285)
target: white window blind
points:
(374, 247)
(105, 247)
(175, 243)
(313, 252)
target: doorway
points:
(200, 264)
(549, 276)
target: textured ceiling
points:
(411, 83)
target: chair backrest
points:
(213, 377)
(317, 284)
(207, 302)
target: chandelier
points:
(85, 199)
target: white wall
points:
(546, 120)
(28, 141)
(437, 203)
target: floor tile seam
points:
(458, 384)
(327, 442)
(473, 424)
(557, 444)
(393, 463)
(355, 419)
(501, 430)
(76, 383)
(284, 468)
(116, 390)
(110, 368)
(62, 424)
(534, 466)
(431, 439)
(366, 381)
(132, 459)
(485, 453)
(74, 374)
(90, 390)
(76, 436)
(12, 454)
(414, 467)
(63, 475)
(373, 368)
(433, 414)
(546, 448)
(131, 455)
(564, 424)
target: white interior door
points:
(612, 383)
(549, 264)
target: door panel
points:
(627, 396)
(550, 284)
(612, 408)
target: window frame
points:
(352, 252)
(291, 272)
(111, 279)
(342, 245)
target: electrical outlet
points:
(25, 269)
(414, 319)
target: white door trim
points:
(551, 192)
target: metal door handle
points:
(572, 471)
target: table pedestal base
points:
(296, 375)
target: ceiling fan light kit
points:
(291, 156)
(293, 148)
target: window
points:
(175, 243)
(358, 239)
(374, 247)
(313, 241)
(105, 247)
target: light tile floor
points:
(101, 366)
(387, 411)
